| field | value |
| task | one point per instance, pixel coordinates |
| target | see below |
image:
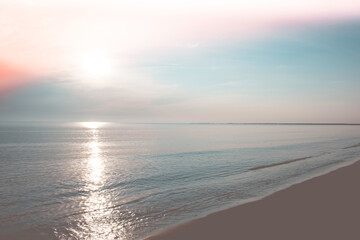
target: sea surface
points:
(126, 181)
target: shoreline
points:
(322, 207)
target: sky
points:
(180, 61)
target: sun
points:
(95, 65)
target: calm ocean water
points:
(76, 181)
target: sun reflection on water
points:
(98, 219)
(95, 164)
(93, 125)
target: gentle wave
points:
(353, 146)
(280, 163)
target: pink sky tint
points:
(49, 36)
(11, 77)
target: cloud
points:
(65, 98)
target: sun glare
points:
(92, 125)
(95, 65)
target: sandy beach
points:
(324, 207)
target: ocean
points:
(127, 181)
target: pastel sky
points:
(180, 61)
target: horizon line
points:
(200, 123)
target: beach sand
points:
(322, 208)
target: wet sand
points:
(322, 208)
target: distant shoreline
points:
(201, 123)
